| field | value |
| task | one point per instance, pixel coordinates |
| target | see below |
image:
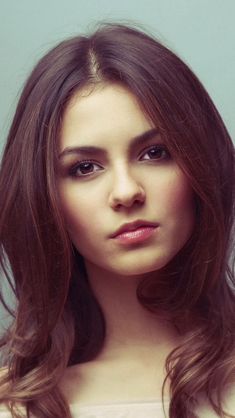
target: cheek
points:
(180, 198)
(176, 195)
(175, 204)
(79, 213)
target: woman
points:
(118, 185)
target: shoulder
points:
(3, 371)
(205, 410)
(4, 384)
(4, 412)
(4, 381)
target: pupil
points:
(85, 167)
(155, 152)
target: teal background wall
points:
(202, 32)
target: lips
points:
(132, 226)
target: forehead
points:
(106, 113)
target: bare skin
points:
(131, 365)
(100, 192)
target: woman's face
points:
(116, 170)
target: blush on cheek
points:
(181, 200)
(180, 193)
(178, 205)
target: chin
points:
(142, 268)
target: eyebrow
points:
(91, 150)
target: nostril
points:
(127, 199)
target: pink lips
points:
(134, 232)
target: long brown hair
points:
(57, 321)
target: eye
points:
(156, 152)
(84, 168)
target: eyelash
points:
(73, 171)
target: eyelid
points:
(84, 161)
(72, 170)
(74, 167)
(162, 147)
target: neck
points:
(130, 328)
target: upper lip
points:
(131, 226)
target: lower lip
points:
(137, 236)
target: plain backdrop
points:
(202, 32)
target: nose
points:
(126, 191)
